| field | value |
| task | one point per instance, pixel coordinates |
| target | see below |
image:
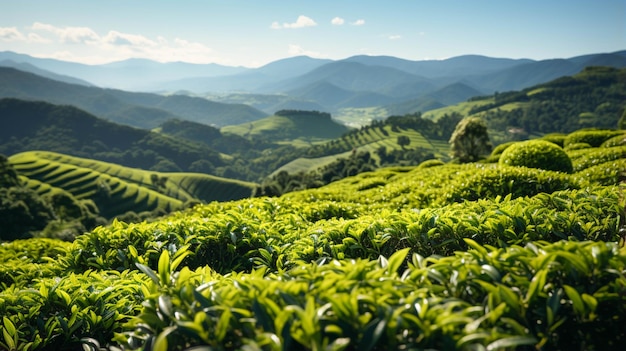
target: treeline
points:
(302, 113)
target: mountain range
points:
(397, 85)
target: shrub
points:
(594, 138)
(618, 140)
(537, 154)
(516, 181)
(556, 138)
(577, 146)
(470, 140)
(431, 163)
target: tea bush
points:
(537, 154)
(577, 146)
(618, 140)
(594, 138)
(555, 138)
(549, 296)
(583, 159)
(517, 181)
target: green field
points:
(116, 189)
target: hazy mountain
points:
(251, 80)
(369, 81)
(455, 66)
(137, 109)
(132, 74)
(532, 73)
(27, 67)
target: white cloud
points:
(69, 34)
(88, 46)
(358, 22)
(337, 21)
(301, 22)
(117, 38)
(11, 34)
(395, 37)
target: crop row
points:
(275, 233)
(561, 296)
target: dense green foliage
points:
(454, 256)
(537, 154)
(470, 140)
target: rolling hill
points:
(29, 125)
(116, 189)
(147, 110)
(593, 98)
(288, 125)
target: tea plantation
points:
(480, 256)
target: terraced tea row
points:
(116, 189)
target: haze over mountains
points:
(401, 86)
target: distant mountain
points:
(141, 110)
(251, 80)
(455, 66)
(27, 67)
(132, 74)
(365, 81)
(533, 73)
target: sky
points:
(253, 33)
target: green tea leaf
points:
(149, 272)
(164, 267)
(511, 342)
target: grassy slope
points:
(130, 189)
(277, 128)
(370, 140)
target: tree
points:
(403, 140)
(470, 140)
(621, 124)
(8, 175)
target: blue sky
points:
(252, 33)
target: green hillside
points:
(594, 97)
(287, 125)
(455, 257)
(116, 189)
(371, 140)
(380, 139)
(36, 125)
